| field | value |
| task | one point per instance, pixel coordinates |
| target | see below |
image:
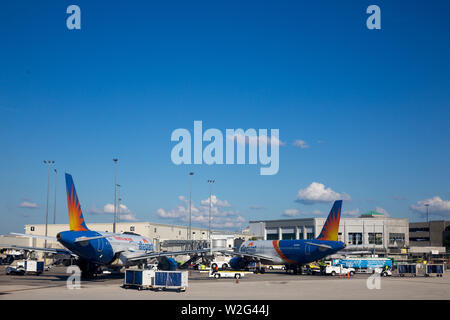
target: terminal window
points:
(272, 236)
(288, 233)
(419, 229)
(375, 238)
(31, 228)
(309, 233)
(132, 228)
(288, 236)
(398, 238)
(419, 239)
(355, 238)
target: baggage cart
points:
(138, 278)
(34, 267)
(434, 270)
(172, 280)
(407, 270)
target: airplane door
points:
(307, 249)
(100, 245)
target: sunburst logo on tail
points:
(76, 220)
(331, 227)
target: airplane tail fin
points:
(76, 219)
(331, 227)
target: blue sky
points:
(372, 105)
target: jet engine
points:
(238, 263)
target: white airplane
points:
(292, 253)
(95, 249)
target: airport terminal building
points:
(370, 231)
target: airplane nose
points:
(58, 236)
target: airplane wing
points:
(48, 250)
(165, 254)
(84, 239)
(247, 255)
(319, 245)
(34, 236)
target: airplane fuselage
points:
(291, 251)
(107, 248)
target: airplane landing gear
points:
(259, 268)
(296, 269)
(88, 270)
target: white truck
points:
(339, 270)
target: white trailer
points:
(228, 274)
(275, 267)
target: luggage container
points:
(407, 270)
(138, 278)
(174, 280)
(434, 270)
(33, 266)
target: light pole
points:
(190, 204)
(49, 164)
(428, 223)
(54, 205)
(427, 205)
(115, 184)
(118, 203)
(210, 205)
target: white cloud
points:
(437, 206)
(383, 211)
(221, 216)
(352, 213)
(300, 144)
(128, 217)
(290, 213)
(317, 193)
(29, 205)
(215, 202)
(125, 212)
(295, 213)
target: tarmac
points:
(273, 285)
